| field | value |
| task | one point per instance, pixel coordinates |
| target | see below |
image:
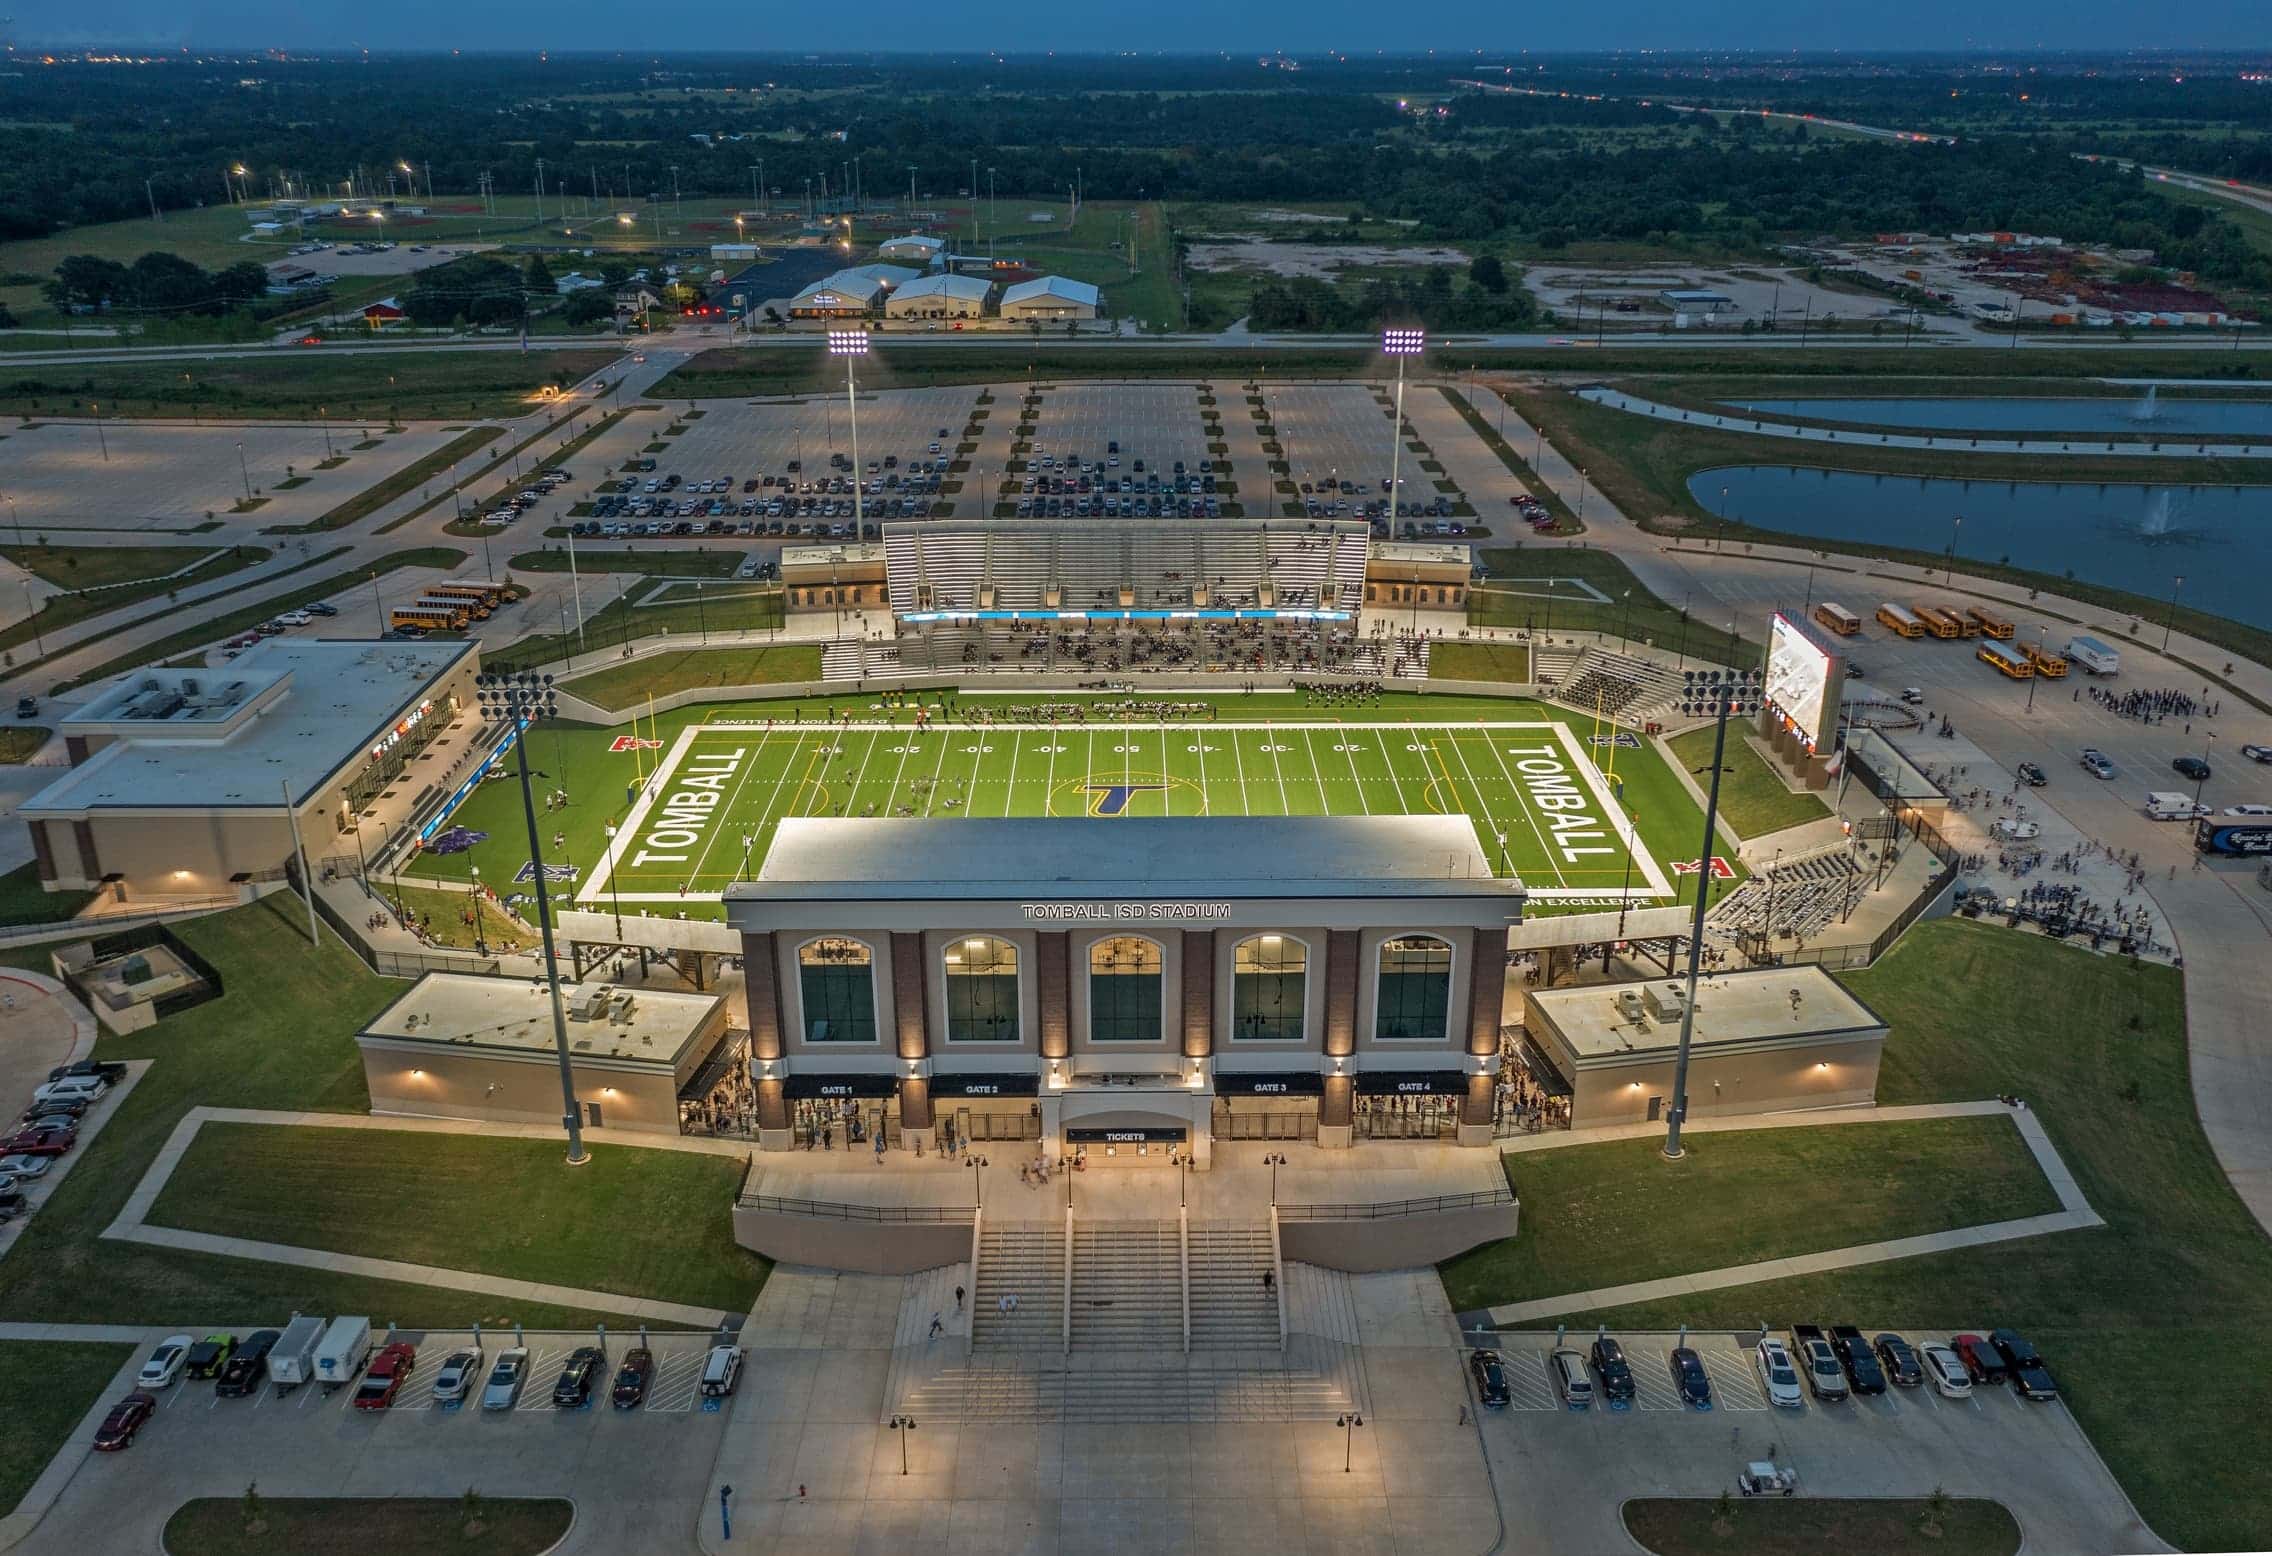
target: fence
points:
(106, 948)
(394, 964)
(830, 1210)
(1435, 1205)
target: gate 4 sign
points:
(624, 743)
(1721, 869)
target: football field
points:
(1543, 809)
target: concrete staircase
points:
(1231, 1309)
(1128, 1286)
(1025, 1260)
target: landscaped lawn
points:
(2097, 1047)
(1633, 614)
(728, 606)
(627, 685)
(134, 572)
(1457, 661)
(23, 902)
(1602, 1215)
(367, 387)
(1753, 799)
(1807, 1526)
(281, 1037)
(46, 1387)
(678, 562)
(637, 1222)
(399, 1526)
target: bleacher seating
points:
(1805, 894)
(1126, 564)
(1625, 687)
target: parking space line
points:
(1735, 1386)
(1652, 1377)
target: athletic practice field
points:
(673, 811)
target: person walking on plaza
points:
(958, 1299)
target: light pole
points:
(1274, 1161)
(2207, 741)
(103, 443)
(323, 414)
(901, 1426)
(852, 345)
(243, 469)
(1949, 572)
(1348, 1424)
(977, 1184)
(525, 698)
(1399, 344)
(2031, 680)
(2169, 618)
(1581, 513)
(1719, 693)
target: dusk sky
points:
(1452, 27)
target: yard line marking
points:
(1348, 744)
(1546, 849)
(1285, 803)
(726, 811)
(1010, 785)
(1049, 779)
(861, 777)
(931, 795)
(1245, 808)
(906, 750)
(1396, 780)
(1206, 794)
(1317, 772)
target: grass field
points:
(1530, 587)
(1266, 754)
(400, 1526)
(1770, 1526)
(1591, 1212)
(349, 388)
(45, 1388)
(283, 1036)
(2097, 1047)
(624, 687)
(22, 901)
(1456, 661)
(1753, 798)
(134, 573)
(639, 1223)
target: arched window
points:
(1415, 989)
(1269, 989)
(982, 990)
(837, 979)
(1125, 974)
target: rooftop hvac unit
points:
(189, 686)
(623, 1007)
(1667, 1001)
(1629, 1005)
(589, 1003)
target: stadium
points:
(1118, 837)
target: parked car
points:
(2095, 763)
(164, 1365)
(50, 1141)
(1690, 1379)
(2252, 752)
(1611, 1369)
(1571, 1380)
(721, 1370)
(2031, 775)
(1899, 1361)
(1776, 1374)
(384, 1378)
(321, 609)
(459, 1369)
(2029, 1376)
(1981, 1363)
(1945, 1370)
(109, 1071)
(15, 1170)
(2190, 767)
(632, 1378)
(125, 1419)
(209, 1355)
(1863, 1374)
(503, 1391)
(39, 1112)
(27, 707)
(578, 1377)
(247, 1368)
(72, 1088)
(1826, 1380)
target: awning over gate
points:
(809, 1086)
(1269, 1083)
(1412, 1083)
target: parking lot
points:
(637, 1475)
(1157, 423)
(1904, 1442)
(1334, 432)
(164, 478)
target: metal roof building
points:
(940, 297)
(1051, 297)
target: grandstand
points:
(1133, 595)
(1625, 687)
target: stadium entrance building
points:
(1122, 991)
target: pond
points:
(2147, 415)
(2218, 538)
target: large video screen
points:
(1802, 678)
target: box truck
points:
(2094, 656)
(293, 1362)
(2169, 805)
(342, 1351)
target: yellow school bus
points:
(1897, 618)
(2047, 664)
(1988, 622)
(2010, 661)
(1837, 618)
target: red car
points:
(1980, 1359)
(385, 1376)
(53, 1140)
(125, 1419)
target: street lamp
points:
(1949, 573)
(1348, 1424)
(1399, 344)
(901, 1426)
(852, 345)
(1274, 1161)
(243, 469)
(1717, 693)
(977, 1184)
(103, 443)
(525, 698)
(2170, 617)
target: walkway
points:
(132, 1225)
(1751, 426)
(2074, 1213)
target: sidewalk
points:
(2074, 1214)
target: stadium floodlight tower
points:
(1399, 344)
(1716, 695)
(524, 698)
(852, 345)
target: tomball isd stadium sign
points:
(1123, 912)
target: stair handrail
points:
(1065, 1308)
(1183, 1245)
(1278, 1282)
(970, 1326)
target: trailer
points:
(293, 1362)
(342, 1352)
(2094, 656)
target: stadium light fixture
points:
(1400, 344)
(852, 345)
(525, 698)
(1713, 694)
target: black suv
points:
(1490, 1377)
(1611, 1368)
(2030, 1377)
(577, 1379)
(245, 1371)
(1854, 1354)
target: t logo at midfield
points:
(1111, 799)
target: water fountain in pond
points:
(2148, 408)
